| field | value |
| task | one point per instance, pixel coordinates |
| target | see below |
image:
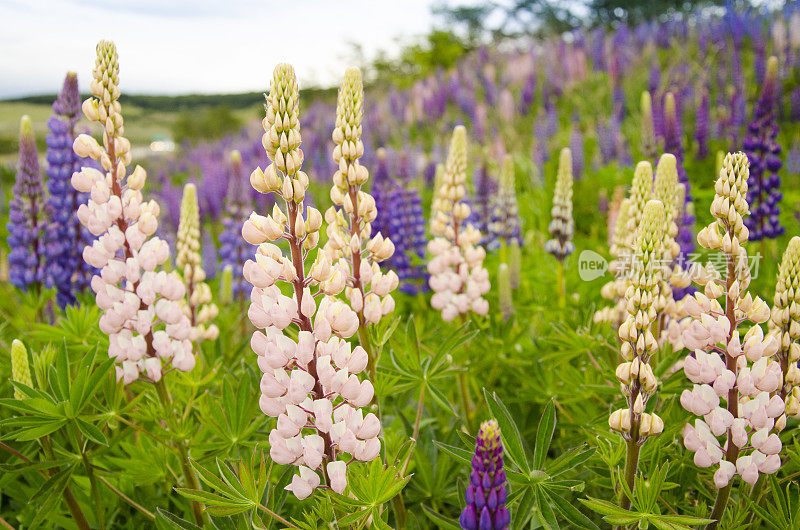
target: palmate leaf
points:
(544, 435)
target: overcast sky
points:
(195, 46)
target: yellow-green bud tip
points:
(26, 127)
(20, 371)
(236, 157)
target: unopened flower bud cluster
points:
(310, 382)
(458, 277)
(141, 305)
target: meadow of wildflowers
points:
(556, 285)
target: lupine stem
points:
(631, 465)
(733, 399)
(463, 389)
(147, 513)
(98, 507)
(72, 503)
(188, 473)
(562, 300)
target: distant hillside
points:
(185, 102)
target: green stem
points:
(562, 290)
(372, 362)
(276, 516)
(631, 465)
(98, 507)
(463, 389)
(147, 513)
(733, 402)
(188, 473)
(72, 503)
(755, 496)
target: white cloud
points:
(202, 46)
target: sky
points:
(196, 46)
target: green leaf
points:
(544, 435)
(458, 453)
(439, 520)
(569, 460)
(569, 512)
(216, 504)
(47, 497)
(169, 521)
(91, 432)
(512, 439)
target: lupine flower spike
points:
(20, 369)
(785, 325)
(310, 383)
(486, 493)
(233, 250)
(638, 342)
(66, 270)
(141, 306)
(458, 277)
(505, 225)
(718, 365)
(188, 261)
(26, 215)
(614, 290)
(562, 225)
(763, 151)
(355, 256)
(649, 146)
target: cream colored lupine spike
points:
(458, 277)
(785, 325)
(350, 246)
(638, 343)
(732, 398)
(199, 306)
(320, 321)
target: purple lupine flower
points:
(65, 237)
(26, 215)
(482, 211)
(486, 493)
(673, 144)
(702, 124)
(578, 152)
(793, 159)
(407, 229)
(233, 249)
(794, 104)
(763, 151)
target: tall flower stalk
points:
(649, 146)
(718, 364)
(639, 343)
(310, 383)
(141, 306)
(65, 237)
(562, 226)
(26, 215)
(233, 250)
(199, 307)
(458, 277)
(785, 325)
(505, 225)
(349, 247)
(763, 151)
